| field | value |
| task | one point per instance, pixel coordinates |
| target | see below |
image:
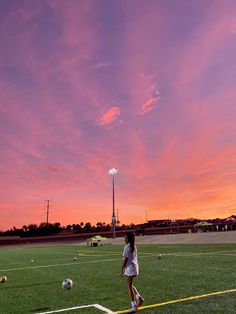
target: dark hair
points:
(131, 239)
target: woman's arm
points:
(123, 265)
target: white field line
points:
(59, 265)
(104, 309)
(84, 253)
(180, 254)
(199, 253)
(106, 254)
(59, 253)
(225, 254)
(148, 253)
(98, 306)
(68, 309)
(89, 251)
(140, 253)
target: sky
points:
(146, 86)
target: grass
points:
(184, 271)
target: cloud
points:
(152, 99)
(62, 63)
(149, 104)
(77, 25)
(209, 37)
(52, 168)
(101, 65)
(110, 116)
(147, 76)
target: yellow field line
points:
(180, 300)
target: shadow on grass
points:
(40, 309)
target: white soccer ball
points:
(3, 278)
(67, 284)
(75, 258)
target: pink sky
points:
(144, 86)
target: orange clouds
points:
(69, 75)
(149, 104)
(110, 115)
(152, 94)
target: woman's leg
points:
(138, 297)
(135, 291)
(129, 281)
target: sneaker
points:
(140, 301)
(133, 309)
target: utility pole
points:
(113, 171)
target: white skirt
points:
(131, 271)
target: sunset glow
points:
(144, 86)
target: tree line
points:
(44, 229)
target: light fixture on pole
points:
(113, 171)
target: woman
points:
(130, 269)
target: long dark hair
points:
(131, 239)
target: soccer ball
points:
(67, 284)
(3, 278)
(75, 258)
(160, 256)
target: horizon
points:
(144, 86)
(117, 225)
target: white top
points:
(131, 268)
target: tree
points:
(87, 227)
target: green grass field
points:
(184, 271)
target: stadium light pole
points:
(113, 171)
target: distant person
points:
(130, 269)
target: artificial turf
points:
(35, 275)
